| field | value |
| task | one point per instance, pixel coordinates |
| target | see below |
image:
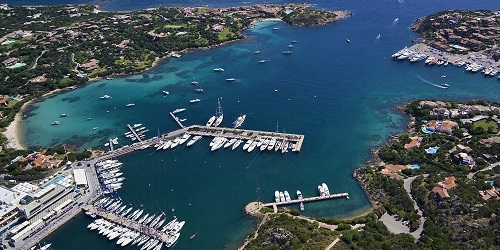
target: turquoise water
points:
(340, 95)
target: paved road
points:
(471, 175)
(407, 187)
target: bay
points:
(339, 95)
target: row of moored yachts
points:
(431, 60)
(151, 224)
(263, 143)
(110, 175)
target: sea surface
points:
(340, 95)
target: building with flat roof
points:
(9, 213)
(80, 177)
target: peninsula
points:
(435, 186)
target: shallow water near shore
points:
(340, 95)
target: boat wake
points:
(429, 82)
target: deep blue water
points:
(339, 95)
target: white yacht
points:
(130, 105)
(237, 144)
(247, 144)
(167, 145)
(218, 144)
(321, 191)
(194, 140)
(194, 100)
(230, 79)
(230, 143)
(277, 146)
(282, 197)
(175, 142)
(171, 241)
(271, 144)
(211, 121)
(165, 92)
(178, 111)
(219, 114)
(287, 196)
(104, 97)
(219, 70)
(184, 138)
(277, 196)
(301, 206)
(252, 146)
(237, 123)
(325, 189)
(299, 195)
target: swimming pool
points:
(55, 180)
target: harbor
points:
(198, 130)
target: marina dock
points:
(126, 222)
(229, 133)
(133, 132)
(255, 206)
(176, 119)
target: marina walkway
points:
(133, 132)
(176, 119)
(126, 222)
(205, 131)
(304, 200)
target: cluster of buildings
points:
(27, 208)
(442, 109)
(462, 32)
(38, 159)
(441, 189)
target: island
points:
(458, 37)
(436, 186)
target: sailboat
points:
(219, 115)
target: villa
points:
(442, 187)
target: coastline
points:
(13, 131)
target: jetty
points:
(254, 206)
(128, 223)
(134, 132)
(229, 133)
(177, 120)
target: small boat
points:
(347, 40)
(299, 195)
(104, 97)
(210, 121)
(219, 70)
(230, 79)
(291, 46)
(445, 85)
(178, 111)
(263, 61)
(257, 52)
(443, 76)
(287, 52)
(175, 55)
(275, 28)
(55, 123)
(165, 92)
(237, 123)
(63, 115)
(192, 236)
(130, 105)
(109, 78)
(294, 41)
(194, 100)
(302, 206)
(198, 90)
(277, 196)
(195, 83)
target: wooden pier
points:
(253, 207)
(128, 223)
(176, 119)
(133, 132)
(229, 133)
